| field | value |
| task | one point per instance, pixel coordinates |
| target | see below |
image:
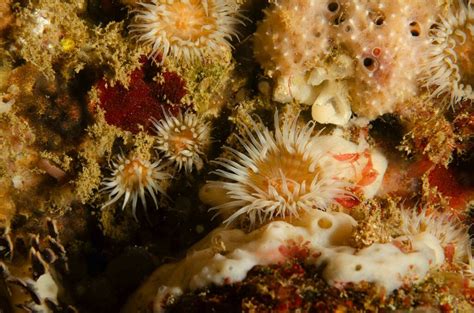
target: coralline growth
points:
(343, 56)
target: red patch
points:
(288, 299)
(294, 250)
(144, 99)
(446, 183)
(449, 251)
(468, 290)
(445, 308)
(376, 52)
(351, 157)
(348, 202)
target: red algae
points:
(445, 182)
(145, 99)
(447, 185)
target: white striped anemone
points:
(182, 139)
(186, 30)
(451, 233)
(133, 178)
(279, 174)
(449, 68)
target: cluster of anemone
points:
(182, 140)
(186, 29)
(449, 67)
(278, 176)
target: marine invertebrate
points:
(279, 175)
(31, 268)
(186, 30)
(6, 16)
(430, 133)
(449, 68)
(298, 286)
(344, 54)
(182, 139)
(7, 99)
(131, 108)
(226, 256)
(452, 234)
(50, 33)
(132, 178)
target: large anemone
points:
(449, 70)
(279, 175)
(186, 29)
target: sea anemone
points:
(451, 233)
(186, 29)
(449, 67)
(279, 175)
(182, 139)
(132, 178)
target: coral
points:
(7, 99)
(31, 267)
(183, 140)
(132, 108)
(449, 68)
(440, 183)
(186, 30)
(377, 222)
(463, 124)
(226, 256)
(336, 54)
(49, 31)
(53, 36)
(112, 112)
(111, 51)
(132, 178)
(430, 133)
(56, 116)
(388, 37)
(208, 85)
(6, 16)
(295, 285)
(18, 157)
(98, 143)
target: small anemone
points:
(131, 179)
(182, 139)
(449, 69)
(186, 29)
(446, 228)
(279, 174)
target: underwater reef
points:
(236, 156)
